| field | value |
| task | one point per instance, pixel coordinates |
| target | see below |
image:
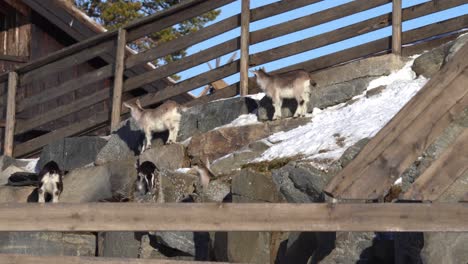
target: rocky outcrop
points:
(205, 117)
(48, 243)
(72, 153)
(167, 157)
(217, 143)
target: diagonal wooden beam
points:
(407, 135)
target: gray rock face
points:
(177, 186)
(456, 46)
(254, 186)
(445, 248)
(120, 244)
(169, 157)
(203, 118)
(193, 243)
(350, 247)
(9, 194)
(72, 153)
(300, 183)
(87, 185)
(430, 62)
(124, 143)
(47, 243)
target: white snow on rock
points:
(257, 96)
(243, 120)
(335, 129)
(31, 165)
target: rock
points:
(122, 176)
(352, 152)
(456, 46)
(205, 117)
(217, 190)
(300, 183)
(338, 93)
(177, 186)
(300, 246)
(250, 186)
(370, 67)
(124, 143)
(5, 162)
(48, 243)
(430, 62)
(375, 91)
(72, 153)
(234, 161)
(254, 186)
(445, 248)
(194, 243)
(217, 143)
(87, 185)
(9, 194)
(120, 244)
(349, 248)
(168, 157)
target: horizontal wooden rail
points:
(66, 87)
(23, 259)
(388, 217)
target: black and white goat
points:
(50, 182)
(148, 181)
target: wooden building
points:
(32, 29)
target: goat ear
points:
(138, 103)
(127, 105)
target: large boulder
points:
(205, 117)
(87, 185)
(9, 194)
(430, 62)
(124, 143)
(300, 182)
(72, 153)
(196, 244)
(168, 157)
(220, 142)
(48, 243)
(248, 186)
(119, 244)
(177, 186)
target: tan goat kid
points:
(165, 117)
(294, 84)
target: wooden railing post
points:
(244, 59)
(10, 114)
(118, 79)
(396, 27)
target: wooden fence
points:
(383, 217)
(112, 44)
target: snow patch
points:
(258, 96)
(336, 128)
(31, 165)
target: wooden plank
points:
(244, 58)
(66, 87)
(35, 144)
(23, 259)
(62, 111)
(388, 217)
(396, 27)
(10, 114)
(14, 58)
(190, 84)
(442, 173)
(66, 62)
(213, 30)
(148, 25)
(381, 45)
(118, 79)
(409, 115)
(314, 19)
(183, 42)
(182, 64)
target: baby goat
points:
(50, 182)
(165, 117)
(148, 181)
(294, 84)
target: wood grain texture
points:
(440, 96)
(396, 27)
(245, 43)
(118, 78)
(442, 173)
(391, 217)
(10, 114)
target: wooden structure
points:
(388, 217)
(81, 103)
